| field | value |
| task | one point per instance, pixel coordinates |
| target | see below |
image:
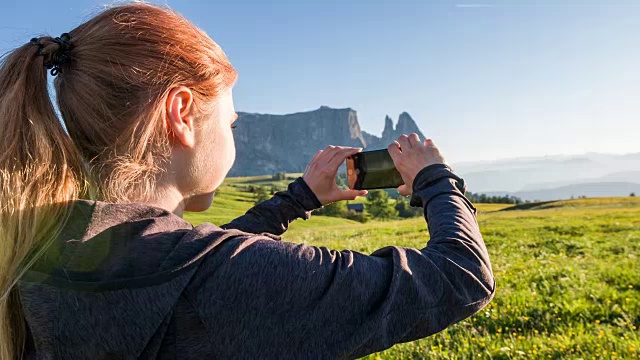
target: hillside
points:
(232, 200)
(599, 203)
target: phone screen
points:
(376, 170)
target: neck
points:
(170, 199)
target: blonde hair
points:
(111, 94)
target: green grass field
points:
(567, 273)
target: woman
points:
(146, 99)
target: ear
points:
(180, 117)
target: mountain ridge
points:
(267, 144)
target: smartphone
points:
(372, 170)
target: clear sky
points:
(486, 79)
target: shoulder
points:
(112, 246)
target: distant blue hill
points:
(595, 189)
(592, 174)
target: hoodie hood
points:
(108, 285)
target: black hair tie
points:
(36, 41)
(59, 57)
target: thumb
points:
(352, 194)
(404, 190)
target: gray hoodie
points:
(132, 281)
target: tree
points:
(279, 176)
(632, 194)
(341, 181)
(334, 209)
(378, 205)
(405, 210)
(495, 199)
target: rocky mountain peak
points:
(406, 125)
(387, 133)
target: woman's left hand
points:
(320, 174)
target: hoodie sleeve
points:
(274, 215)
(308, 301)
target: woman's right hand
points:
(410, 155)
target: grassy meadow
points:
(567, 273)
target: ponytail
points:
(39, 167)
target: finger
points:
(328, 153)
(312, 161)
(330, 148)
(403, 140)
(316, 156)
(340, 156)
(352, 194)
(414, 140)
(394, 151)
(404, 190)
(333, 152)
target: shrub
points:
(260, 195)
(356, 216)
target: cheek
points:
(221, 148)
(232, 146)
(222, 154)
